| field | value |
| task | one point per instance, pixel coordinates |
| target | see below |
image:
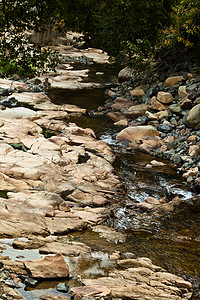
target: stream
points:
(170, 242)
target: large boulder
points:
(126, 74)
(136, 133)
(193, 118)
(53, 266)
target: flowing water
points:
(171, 242)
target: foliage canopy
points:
(17, 54)
(129, 30)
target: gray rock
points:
(192, 87)
(62, 287)
(165, 128)
(36, 81)
(175, 108)
(30, 282)
(176, 158)
(37, 89)
(10, 283)
(197, 79)
(9, 102)
(173, 121)
(5, 92)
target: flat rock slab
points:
(142, 280)
(49, 267)
(110, 234)
(13, 85)
(54, 297)
(22, 224)
(41, 101)
(64, 225)
(91, 291)
(68, 248)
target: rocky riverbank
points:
(56, 179)
(160, 118)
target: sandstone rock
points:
(126, 74)
(162, 114)
(87, 198)
(144, 206)
(14, 85)
(17, 113)
(67, 248)
(110, 93)
(33, 243)
(156, 105)
(42, 200)
(16, 267)
(182, 91)
(11, 293)
(23, 223)
(193, 118)
(116, 116)
(150, 143)
(90, 215)
(151, 116)
(137, 93)
(49, 267)
(120, 103)
(135, 111)
(141, 282)
(165, 97)
(53, 297)
(190, 172)
(193, 150)
(110, 234)
(137, 133)
(171, 81)
(90, 291)
(192, 138)
(156, 163)
(41, 101)
(123, 123)
(64, 225)
(152, 200)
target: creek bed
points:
(172, 242)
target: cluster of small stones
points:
(171, 106)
